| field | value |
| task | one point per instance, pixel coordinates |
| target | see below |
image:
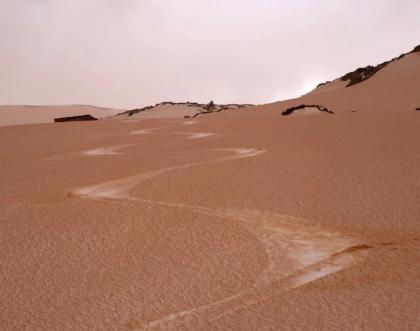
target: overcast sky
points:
(129, 53)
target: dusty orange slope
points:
(297, 222)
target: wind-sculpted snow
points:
(111, 150)
(197, 135)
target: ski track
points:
(298, 252)
(119, 189)
(196, 135)
(131, 121)
(111, 150)
(144, 131)
(188, 122)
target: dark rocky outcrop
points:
(322, 84)
(212, 108)
(135, 111)
(290, 110)
(203, 108)
(75, 118)
(139, 110)
(205, 112)
(361, 74)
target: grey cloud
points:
(130, 53)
